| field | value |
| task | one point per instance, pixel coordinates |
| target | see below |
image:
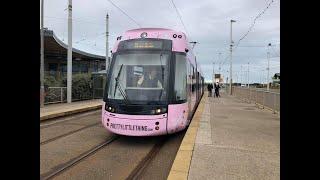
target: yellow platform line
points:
(181, 164)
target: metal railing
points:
(59, 95)
(88, 86)
(56, 95)
(263, 98)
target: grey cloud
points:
(207, 21)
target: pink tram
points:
(154, 83)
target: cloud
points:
(207, 22)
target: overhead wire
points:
(125, 13)
(254, 22)
(180, 17)
(250, 28)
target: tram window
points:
(181, 78)
(193, 74)
(142, 76)
(198, 81)
(193, 80)
(134, 73)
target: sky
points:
(206, 22)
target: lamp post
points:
(231, 44)
(69, 72)
(107, 41)
(241, 76)
(219, 62)
(248, 76)
(213, 77)
(268, 55)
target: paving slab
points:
(236, 140)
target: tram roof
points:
(179, 44)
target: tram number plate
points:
(130, 127)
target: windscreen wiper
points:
(117, 85)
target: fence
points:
(56, 95)
(84, 87)
(264, 98)
(59, 95)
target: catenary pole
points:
(69, 72)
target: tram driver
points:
(150, 79)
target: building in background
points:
(218, 78)
(55, 58)
(276, 79)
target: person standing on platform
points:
(210, 89)
(216, 89)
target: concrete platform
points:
(63, 109)
(233, 140)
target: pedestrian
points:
(215, 93)
(210, 89)
(216, 89)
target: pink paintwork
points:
(177, 119)
(145, 125)
(127, 124)
(178, 44)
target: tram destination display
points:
(145, 44)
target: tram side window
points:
(193, 80)
(189, 77)
(198, 82)
(181, 78)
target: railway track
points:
(69, 133)
(63, 167)
(60, 120)
(139, 169)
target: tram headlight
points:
(143, 35)
(159, 110)
(110, 109)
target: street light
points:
(219, 62)
(69, 55)
(231, 44)
(213, 77)
(268, 55)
